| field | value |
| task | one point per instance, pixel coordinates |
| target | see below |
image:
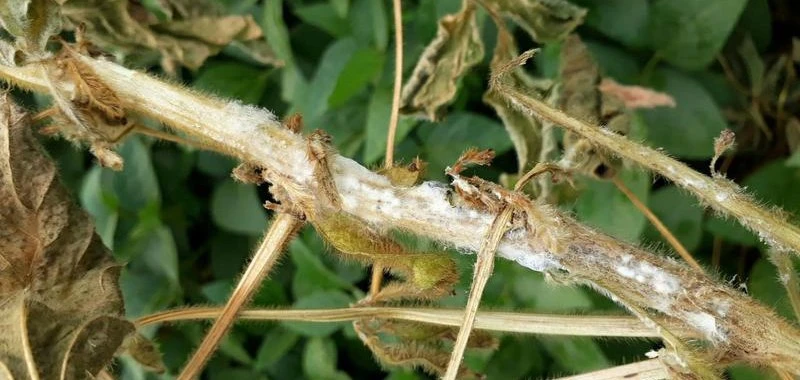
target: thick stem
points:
(738, 327)
(651, 369)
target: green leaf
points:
(101, 204)
(765, 286)
(378, 113)
(505, 363)
(215, 164)
(731, 231)
(150, 280)
(319, 90)
(756, 21)
(277, 34)
(319, 360)
(364, 66)
(225, 79)
(689, 129)
(274, 346)
(217, 292)
(341, 7)
(136, 185)
(615, 62)
(604, 207)
(533, 291)
(237, 208)
(743, 372)
(158, 8)
(229, 253)
(622, 20)
(369, 22)
(324, 16)
(690, 33)
(680, 213)
(575, 354)
(312, 275)
(444, 142)
(319, 300)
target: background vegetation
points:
(186, 228)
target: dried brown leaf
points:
(581, 98)
(61, 310)
(544, 20)
(456, 48)
(634, 97)
(195, 32)
(524, 130)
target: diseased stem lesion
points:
(738, 328)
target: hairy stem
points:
(651, 369)
(280, 232)
(574, 325)
(737, 327)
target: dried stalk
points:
(651, 369)
(573, 325)
(737, 327)
(279, 234)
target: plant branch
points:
(787, 275)
(514, 322)
(724, 196)
(737, 327)
(279, 234)
(651, 369)
(377, 269)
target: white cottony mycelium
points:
(646, 273)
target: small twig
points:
(788, 278)
(377, 269)
(283, 227)
(484, 265)
(574, 325)
(651, 369)
(665, 232)
(716, 252)
(104, 375)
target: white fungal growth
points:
(707, 324)
(645, 273)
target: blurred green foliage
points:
(186, 229)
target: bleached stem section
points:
(737, 327)
(650, 369)
(544, 324)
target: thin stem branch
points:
(651, 369)
(787, 275)
(665, 232)
(514, 322)
(283, 227)
(377, 269)
(722, 195)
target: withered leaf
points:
(195, 31)
(32, 22)
(582, 98)
(456, 48)
(524, 130)
(544, 20)
(61, 310)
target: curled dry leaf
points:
(195, 32)
(634, 97)
(581, 98)
(524, 130)
(61, 310)
(32, 22)
(544, 20)
(456, 48)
